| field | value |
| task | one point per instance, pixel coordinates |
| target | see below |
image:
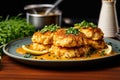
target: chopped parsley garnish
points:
(85, 24)
(72, 30)
(51, 28)
(102, 53)
(27, 55)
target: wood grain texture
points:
(13, 70)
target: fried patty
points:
(92, 33)
(62, 39)
(69, 52)
(97, 44)
(43, 38)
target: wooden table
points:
(13, 70)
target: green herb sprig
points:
(85, 24)
(72, 30)
(51, 28)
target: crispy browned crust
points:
(69, 52)
(95, 40)
(42, 38)
(62, 39)
(92, 33)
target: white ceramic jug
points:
(108, 18)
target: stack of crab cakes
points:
(72, 42)
(68, 45)
(43, 39)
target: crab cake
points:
(69, 52)
(99, 44)
(43, 38)
(92, 33)
(62, 39)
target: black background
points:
(75, 9)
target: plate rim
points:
(28, 59)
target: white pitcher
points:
(108, 18)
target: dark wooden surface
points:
(13, 70)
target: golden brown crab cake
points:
(43, 38)
(93, 33)
(99, 44)
(62, 52)
(62, 39)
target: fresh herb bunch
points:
(14, 27)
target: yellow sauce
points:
(49, 56)
(20, 51)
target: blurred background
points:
(72, 10)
